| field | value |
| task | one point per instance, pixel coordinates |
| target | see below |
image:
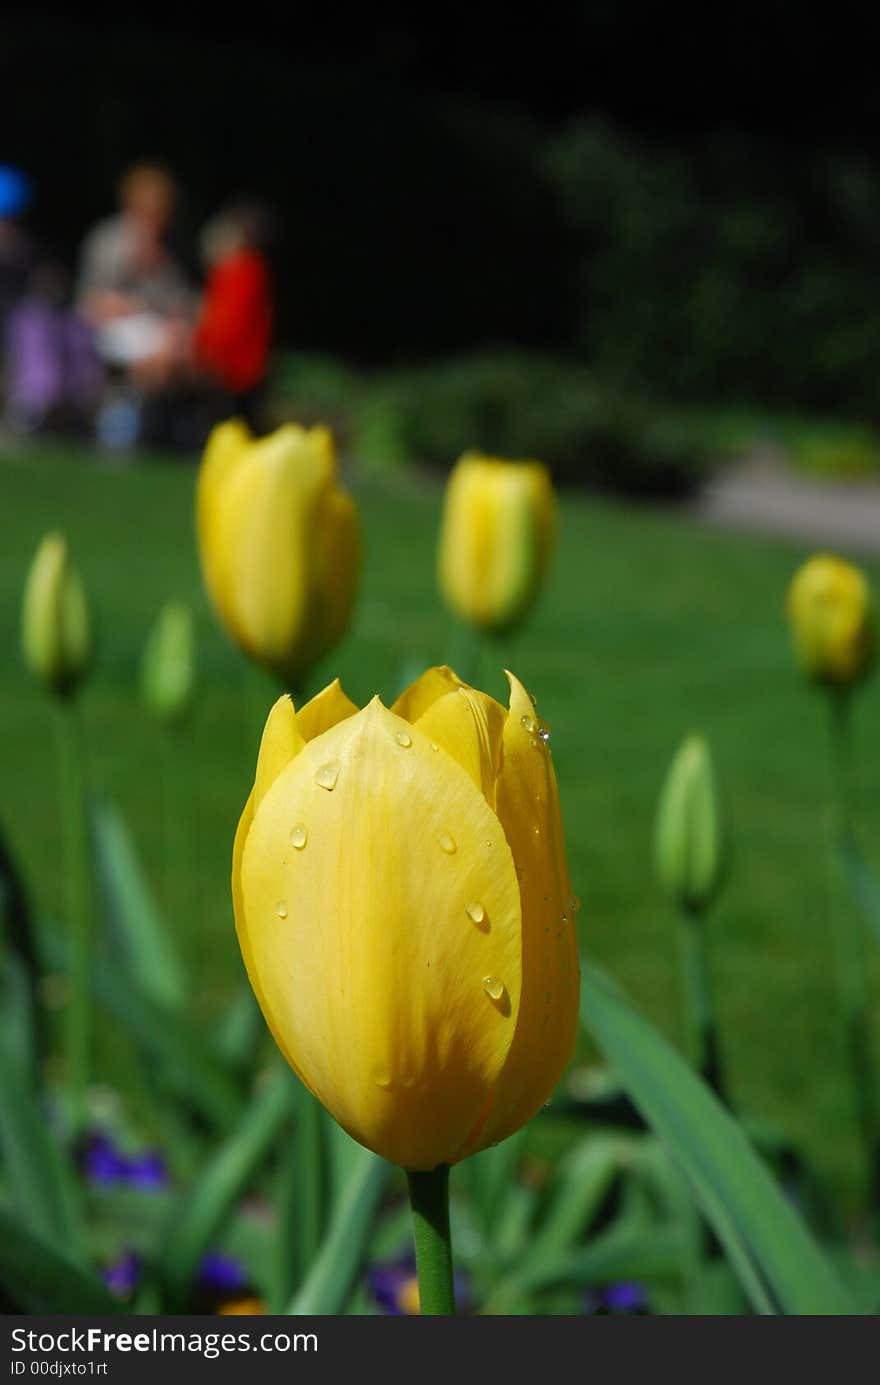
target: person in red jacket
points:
(233, 333)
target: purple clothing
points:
(50, 360)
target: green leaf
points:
(42, 1279)
(142, 939)
(197, 1218)
(582, 1182)
(779, 1265)
(187, 1065)
(41, 1183)
(17, 1037)
(332, 1275)
(240, 1031)
(649, 1255)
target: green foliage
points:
(510, 404)
(701, 273)
(780, 1267)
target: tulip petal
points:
(415, 700)
(282, 740)
(527, 804)
(386, 945)
(334, 570)
(325, 709)
(241, 833)
(470, 727)
(496, 538)
(265, 528)
(224, 450)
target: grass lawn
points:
(649, 627)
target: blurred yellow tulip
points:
(688, 841)
(56, 631)
(279, 543)
(403, 908)
(831, 618)
(499, 523)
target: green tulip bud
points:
(56, 632)
(168, 669)
(688, 841)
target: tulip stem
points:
(698, 999)
(852, 952)
(76, 856)
(429, 1199)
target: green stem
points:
(852, 950)
(700, 1010)
(466, 652)
(78, 900)
(429, 1199)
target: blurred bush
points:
(506, 403)
(723, 267)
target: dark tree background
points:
(609, 181)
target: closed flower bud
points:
(832, 624)
(279, 543)
(55, 628)
(496, 539)
(688, 843)
(168, 668)
(402, 904)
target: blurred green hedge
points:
(513, 404)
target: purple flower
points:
(222, 1273)
(626, 1296)
(147, 1172)
(121, 1275)
(395, 1287)
(102, 1162)
(105, 1165)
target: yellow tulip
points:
(831, 617)
(279, 543)
(403, 908)
(496, 538)
(55, 628)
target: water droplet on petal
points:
(533, 699)
(544, 732)
(448, 844)
(475, 911)
(493, 987)
(434, 745)
(298, 836)
(527, 722)
(404, 739)
(327, 775)
(381, 1076)
(574, 903)
(281, 909)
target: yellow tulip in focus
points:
(279, 543)
(403, 907)
(55, 628)
(496, 539)
(831, 617)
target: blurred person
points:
(135, 295)
(53, 375)
(234, 330)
